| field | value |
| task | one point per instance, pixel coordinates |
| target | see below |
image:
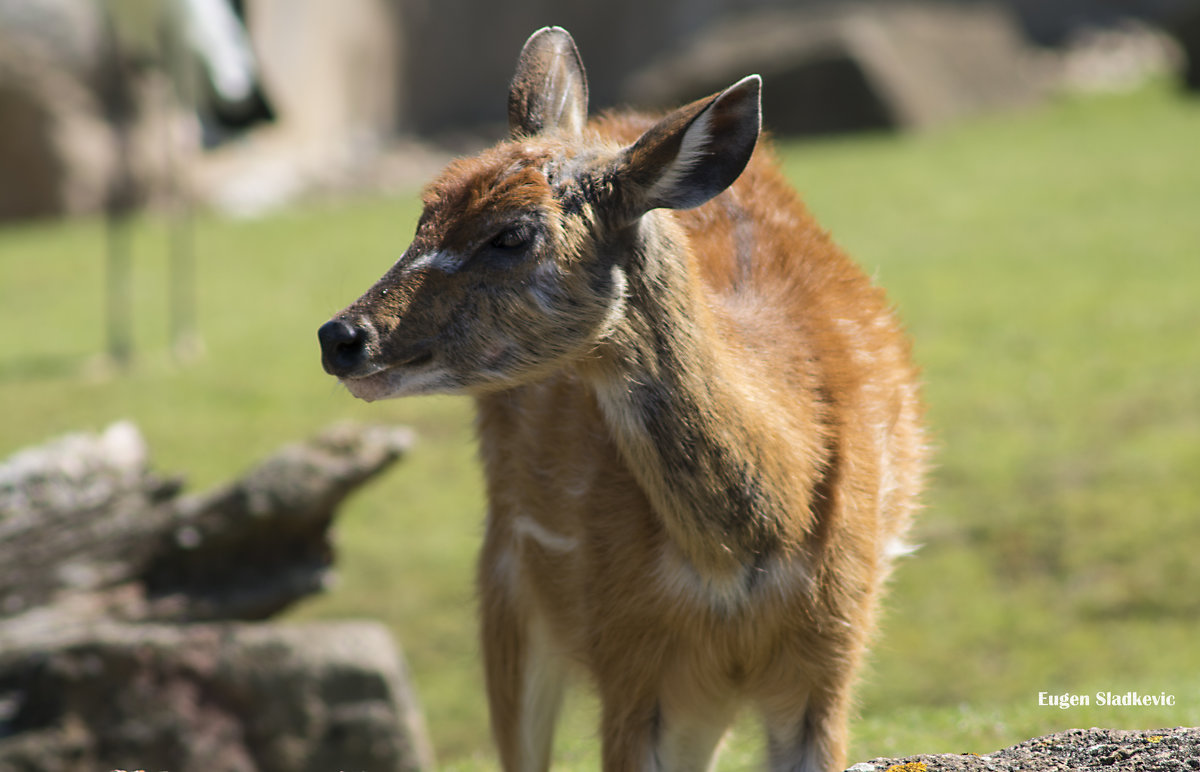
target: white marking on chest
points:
(681, 580)
(613, 393)
(732, 592)
(525, 527)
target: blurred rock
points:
(330, 69)
(1184, 26)
(84, 128)
(1122, 57)
(857, 66)
(102, 561)
(84, 520)
(840, 62)
(57, 147)
(1057, 22)
(197, 698)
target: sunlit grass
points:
(1048, 267)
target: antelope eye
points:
(512, 238)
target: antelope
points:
(698, 420)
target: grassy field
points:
(1048, 267)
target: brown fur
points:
(700, 429)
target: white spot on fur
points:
(525, 527)
(581, 488)
(447, 262)
(616, 311)
(898, 548)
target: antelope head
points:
(521, 256)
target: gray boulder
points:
(1163, 750)
(1184, 26)
(856, 65)
(233, 697)
(118, 595)
(57, 145)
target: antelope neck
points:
(664, 384)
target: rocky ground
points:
(1164, 750)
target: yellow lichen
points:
(1154, 738)
(912, 766)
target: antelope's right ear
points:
(695, 152)
(549, 90)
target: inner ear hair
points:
(549, 90)
(699, 150)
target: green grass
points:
(1048, 267)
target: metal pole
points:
(119, 203)
(185, 338)
(118, 290)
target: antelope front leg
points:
(525, 677)
(655, 735)
(809, 736)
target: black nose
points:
(343, 346)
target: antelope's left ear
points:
(549, 90)
(695, 152)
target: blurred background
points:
(189, 188)
(245, 105)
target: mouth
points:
(369, 388)
(420, 360)
(403, 378)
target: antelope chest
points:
(574, 532)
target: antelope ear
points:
(549, 90)
(695, 152)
